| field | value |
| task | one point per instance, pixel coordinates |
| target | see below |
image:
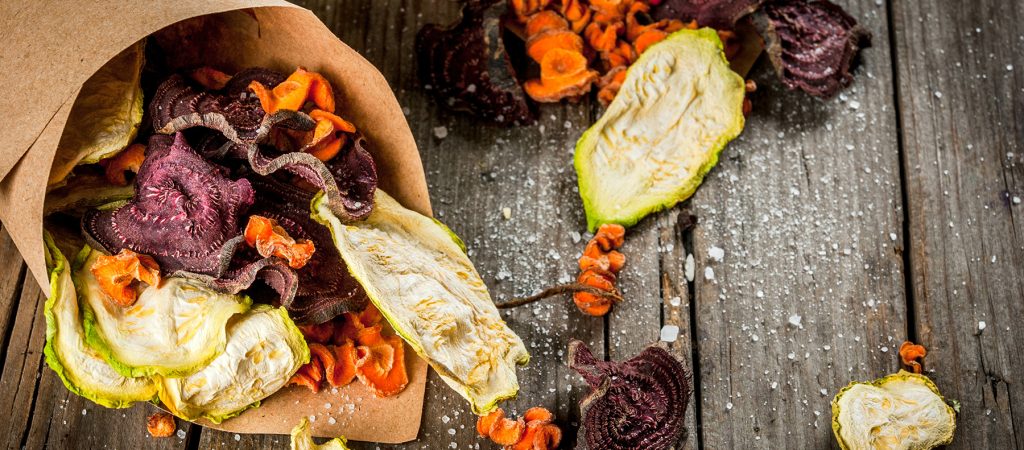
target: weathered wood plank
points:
(18, 380)
(961, 78)
(11, 272)
(806, 206)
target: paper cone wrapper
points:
(52, 47)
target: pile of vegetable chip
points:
(198, 251)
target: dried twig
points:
(557, 290)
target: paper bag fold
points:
(51, 47)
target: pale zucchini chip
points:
(264, 350)
(105, 117)
(172, 330)
(900, 411)
(82, 369)
(419, 277)
(88, 191)
(677, 109)
(302, 439)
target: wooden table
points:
(848, 226)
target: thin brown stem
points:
(558, 290)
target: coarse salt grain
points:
(669, 333)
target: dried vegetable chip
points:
(636, 404)
(105, 117)
(468, 67)
(264, 349)
(82, 369)
(812, 45)
(185, 211)
(902, 410)
(116, 276)
(678, 107)
(174, 329)
(423, 283)
(87, 192)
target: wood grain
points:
(806, 206)
(961, 78)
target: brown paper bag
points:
(51, 47)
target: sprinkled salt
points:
(669, 333)
(823, 391)
(775, 384)
(892, 237)
(796, 320)
(728, 405)
(332, 420)
(238, 437)
(981, 325)
(441, 132)
(760, 293)
(451, 431)
(791, 355)
(689, 267)
(1016, 200)
(709, 273)
(180, 434)
(716, 253)
(506, 212)
(445, 418)
(938, 94)
(84, 412)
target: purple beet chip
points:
(184, 212)
(468, 67)
(636, 404)
(812, 45)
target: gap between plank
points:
(687, 242)
(15, 296)
(195, 432)
(908, 280)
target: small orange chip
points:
(270, 239)
(117, 275)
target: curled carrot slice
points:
(301, 379)
(538, 414)
(345, 365)
(507, 431)
(610, 236)
(484, 423)
(269, 239)
(118, 273)
(911, 356)
(649, 38)
(319, 333)
(381, 365)
(301, 86)
(544, 21)
(563, 74)
(537, 46)
(128, 160)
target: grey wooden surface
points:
(847, 226)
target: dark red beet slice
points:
(184, 212)
(719, 14)
(812, 45)
(325, 288)
(349, 180)
(187, 215)
(467, 66)
(636, 404)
